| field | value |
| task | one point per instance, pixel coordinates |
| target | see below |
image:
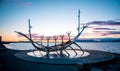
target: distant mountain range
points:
(99, 40)
(109, 22)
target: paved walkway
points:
(8, 62)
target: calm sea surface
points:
(102, 46)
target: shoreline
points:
(8, 42)
(7, 59)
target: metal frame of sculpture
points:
(57, 47)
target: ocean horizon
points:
(113, 47)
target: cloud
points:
(22, 3)
(110, 22)
(107, 33)
(102, 29)
(117, 19)
(18, 3)
(114, 32)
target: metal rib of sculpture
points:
(57, 47)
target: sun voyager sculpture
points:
(61, 50)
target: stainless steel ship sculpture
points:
(57, 48)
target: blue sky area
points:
(55, 17)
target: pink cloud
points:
(107, 33)
(110, 22)
(102, 29)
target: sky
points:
(56, 17)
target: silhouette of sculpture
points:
(57, 47)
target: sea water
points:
(102, 46)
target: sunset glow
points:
(56, 17)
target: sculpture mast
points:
(78, 22)
(29, 28)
